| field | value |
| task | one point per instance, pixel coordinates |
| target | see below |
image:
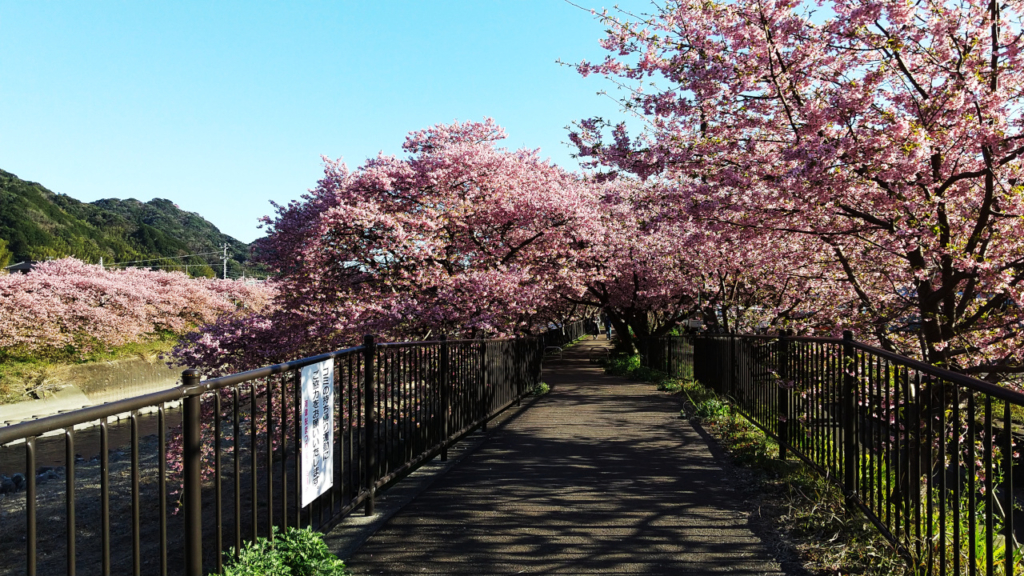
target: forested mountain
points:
(38, 224)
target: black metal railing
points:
(563, 334)
(929, 455)
(176, 495)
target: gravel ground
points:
(51, 514)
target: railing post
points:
(849, 408)
(666, 360)
(483, 383)
(445, 398)
(517, 366)
(733, 364)
(669, 358)
(31, 536)
(369, 420)
(510, 353)
(698, 347)
(538, 358)
(783, 423)
(192, 476)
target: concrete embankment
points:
(73, 387)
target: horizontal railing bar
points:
(975, 384)
(242, 377)
(409, 466)
(438, 342)
(519, 359)
(450, 342)
(46, 424)
(953, 377)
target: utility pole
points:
(225, 259)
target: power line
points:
(163, 258)
(176, 266)
(187, 266)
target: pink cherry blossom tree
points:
(888, 132)
(67, 305)
(637, 266)
(461, 237)
(651, 266)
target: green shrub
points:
(711, 410)
(297, 552)
(541, 389)
(257, 558)
(630, 367)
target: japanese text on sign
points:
(317, 430)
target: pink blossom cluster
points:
(875, 142)
(461, 237)
(468, 239)
(68, 304)
(652, 265)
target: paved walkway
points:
(600, 476)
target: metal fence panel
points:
(185, 473)
(930, 456)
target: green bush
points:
(630, 367)
(257, 558)
(297, 552)
(711, 410)
(541, 389)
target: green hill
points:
(38, 224)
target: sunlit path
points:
(599, 476)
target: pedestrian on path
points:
(595, 327)
(607, 324)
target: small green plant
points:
(958, 520)
(631, 367)
(670, 386)
(541, 389)
(296, 552)
(257, 558)
(711, 410)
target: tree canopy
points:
(888, 132)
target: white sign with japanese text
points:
(317, 430)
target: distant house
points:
(21, 267)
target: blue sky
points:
(222, 106)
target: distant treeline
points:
(37, 224)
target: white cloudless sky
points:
(225, 106)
